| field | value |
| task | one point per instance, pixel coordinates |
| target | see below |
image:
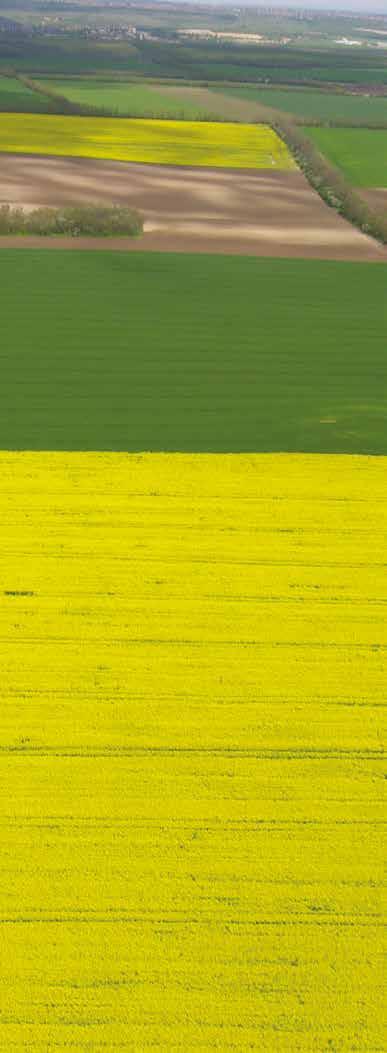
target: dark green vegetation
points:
(17, 98)
(69, 54)
(111, 351)
(192, 60)
(360, 153)
(72, 221)
(317, 105)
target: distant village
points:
(52, 19)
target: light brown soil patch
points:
(230, 107)
(261, 213)
(377, 199)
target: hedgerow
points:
(72, 221)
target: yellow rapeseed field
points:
(153, 141)
(193, 672)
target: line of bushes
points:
(324, 177)
(331, 184)
(73, 221)
(341, 122)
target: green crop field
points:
(16, 98)
(319, 105)
(132, 100)
(361, 153)
(111, 351)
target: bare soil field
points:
(261, 212)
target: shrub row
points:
(73, 221)
(341, 122)
(330, 182)
(324, 177)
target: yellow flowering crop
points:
(193, 672)
(155, 141)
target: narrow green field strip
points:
(16, 97)
(324, 105)
(199, 353)
(132, 100)
(361, 153)
(152, 141)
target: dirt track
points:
(189, 209)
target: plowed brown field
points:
(259, 213)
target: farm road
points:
(262, 213)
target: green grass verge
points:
(113, 351)
(126, 99)
(316, 105)
(361, 153)
(16, 98)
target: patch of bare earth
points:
(376, 198)
(262, 213)
(229, 107)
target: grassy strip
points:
(337, 122)
(72, 221)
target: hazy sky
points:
(365, 6)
